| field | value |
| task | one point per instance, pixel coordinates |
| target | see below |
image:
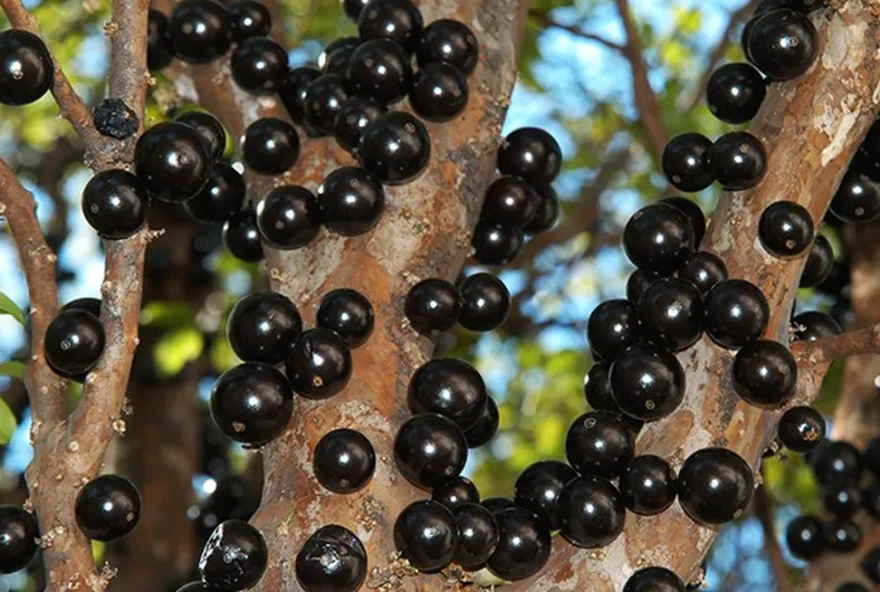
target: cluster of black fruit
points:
(851, 482)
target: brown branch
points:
(764, 511)
(544, 18)
(838, 347)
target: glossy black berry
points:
(200, 30)
(114, 119)
(647, 382)
(858, 197)
(318, 364)
(671, 314)
(250, 18)
(842, 501)
(613, 326)
(837, 462)
(735, 93)
(429, 450)
(813, 325)
(382, 70)
(262, 326)
(805, 537)
(92, 305)
(333, 558)
(450, 387)
(715, 486)
(159, 52)
(486, 426)
(694, 214)
(323, 101)
(786, 229)
(294, 91)
(242, 237)
(654, 579)
(851, 587)
(398, 20)
(783, 44)
(26, 69)
(484, 302)
(658, 238)
(599, 443)
(801, 429)
(637, 283)
(523, 545)
(597, 388)
(842, 536)
(259, 65)
(703, 270)
(495, 244)
(115, 203)
(426, 534)
(74, 343)
(344, 461)
(455, 493)
(819, 263)
(439, 92)
(548, 210)
(686, 162)
(270, 146)
(431, 306)
(353, 118)
(337, 55)
(172, 161)
(351, 201)
(764, 374)
(222, 197)
(737, 313)
(395, 148)
(289, 217)
(107, 508)
(447, 40)
(538, 487)
(209, 129)
(510, 201)
(19, 536)
(648, 485)
(530, 153)
(252, 403)
(738, 160)
(497, 504)
(591, 512)
(348, 313)
(353, 8)
(235, 556)
(478, 535)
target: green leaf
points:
(7, 306)
(7, 423)
(176, 348)
(13, 369)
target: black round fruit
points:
(837, 462)
(870, 565)
(510, 201)
(497, 504)
(715, 486)
(530, 153)
(637, 283)
(250, 18)
(395, 148)
(26, 69)
(270, 146)
(318, 364)
(538, 487)
(801, 429)
(857, 200)
(337, 56)
(842, 501)
(449, 387)
(523, 545)
(591, 512)
(242, 237)
(819, 263)
(613, 327)
(115, 203)
(647, 382)
(764, 374)
(348, 313)
(107, 508)
(333, 558)
(447, 40)
(429, 450)
(344, 461)
(200, 31)
(495, 244)
(703, 270)
(353, 8)
(431, 306)
(289, 217)
(738, 160)
(693, 212)
(813, 325)
(351, 200)
(74, 343)
(598, 443)
(804, 537)
(259, 65)
(235, 556)
(735, 93)
(294, 91)
(324, 97)
(654, 579)
(671, 314)
(783, 44)
(426, 535)
(252, 403)
(737, 313)
(478, 536)
(455, 493)
(484, 302)
(685, 162)
(222, 197)
(658, 238)
(19, 536)
(648, 485)
(439, 92)
(548, 210)
(842, 536)
(597, 388)
(485, 428)
(159, 53)
(786, 229)
(381, 69)
(353, 118)
(398, 20)
(209, 129)
(172, 161)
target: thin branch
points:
(764, 511)
(544, 18)
(838, 347)
(128, 71)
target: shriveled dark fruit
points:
(658, 238)
(857, 200)
(842, 501)
(439, 92)
(738, 160)
(523, 545)
(74, 343)
(495, 244)
(538, 487)
(735, 93)
(235, 556)
(318, 364)
(252, 403)
(715, 486)
(485, 427)
(431, 306)
(242, 237)
(398, 20)
(107, 508)
(200, 31)
(426, 534)
(764, 374)
(548, 210)
(114, 203)
(332, 558)
(613, 327)
(447, 40)
(685, 162)
(783, 44)
(804, 537)
(336, 57)
(429, 450)
(591, 512)
(344, 461)
(786, 229)
(510, 201)
(289, 217)
(172, 161)
(353, 118)
(26, 69)
(380, 69)
(647, 382)
(351, 200)
(484, 302)
(259, 65)
(530, 153)
(813, 325)
(597, 387)
(842, 536)
(478, 535)
(270, 146)
(598, 443)
(250, 18)
(703, 270)
(19, 537)
(221, 198)
(294, 90)
(819, 263)
(456, 492)
(801, 429)
(737, 313)
(837, 462)
(348, 313)
(395, 148)
(159, 52)
(671, 314)
(654, 579)
(693, 212)
(648, 485)
(449, 387)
